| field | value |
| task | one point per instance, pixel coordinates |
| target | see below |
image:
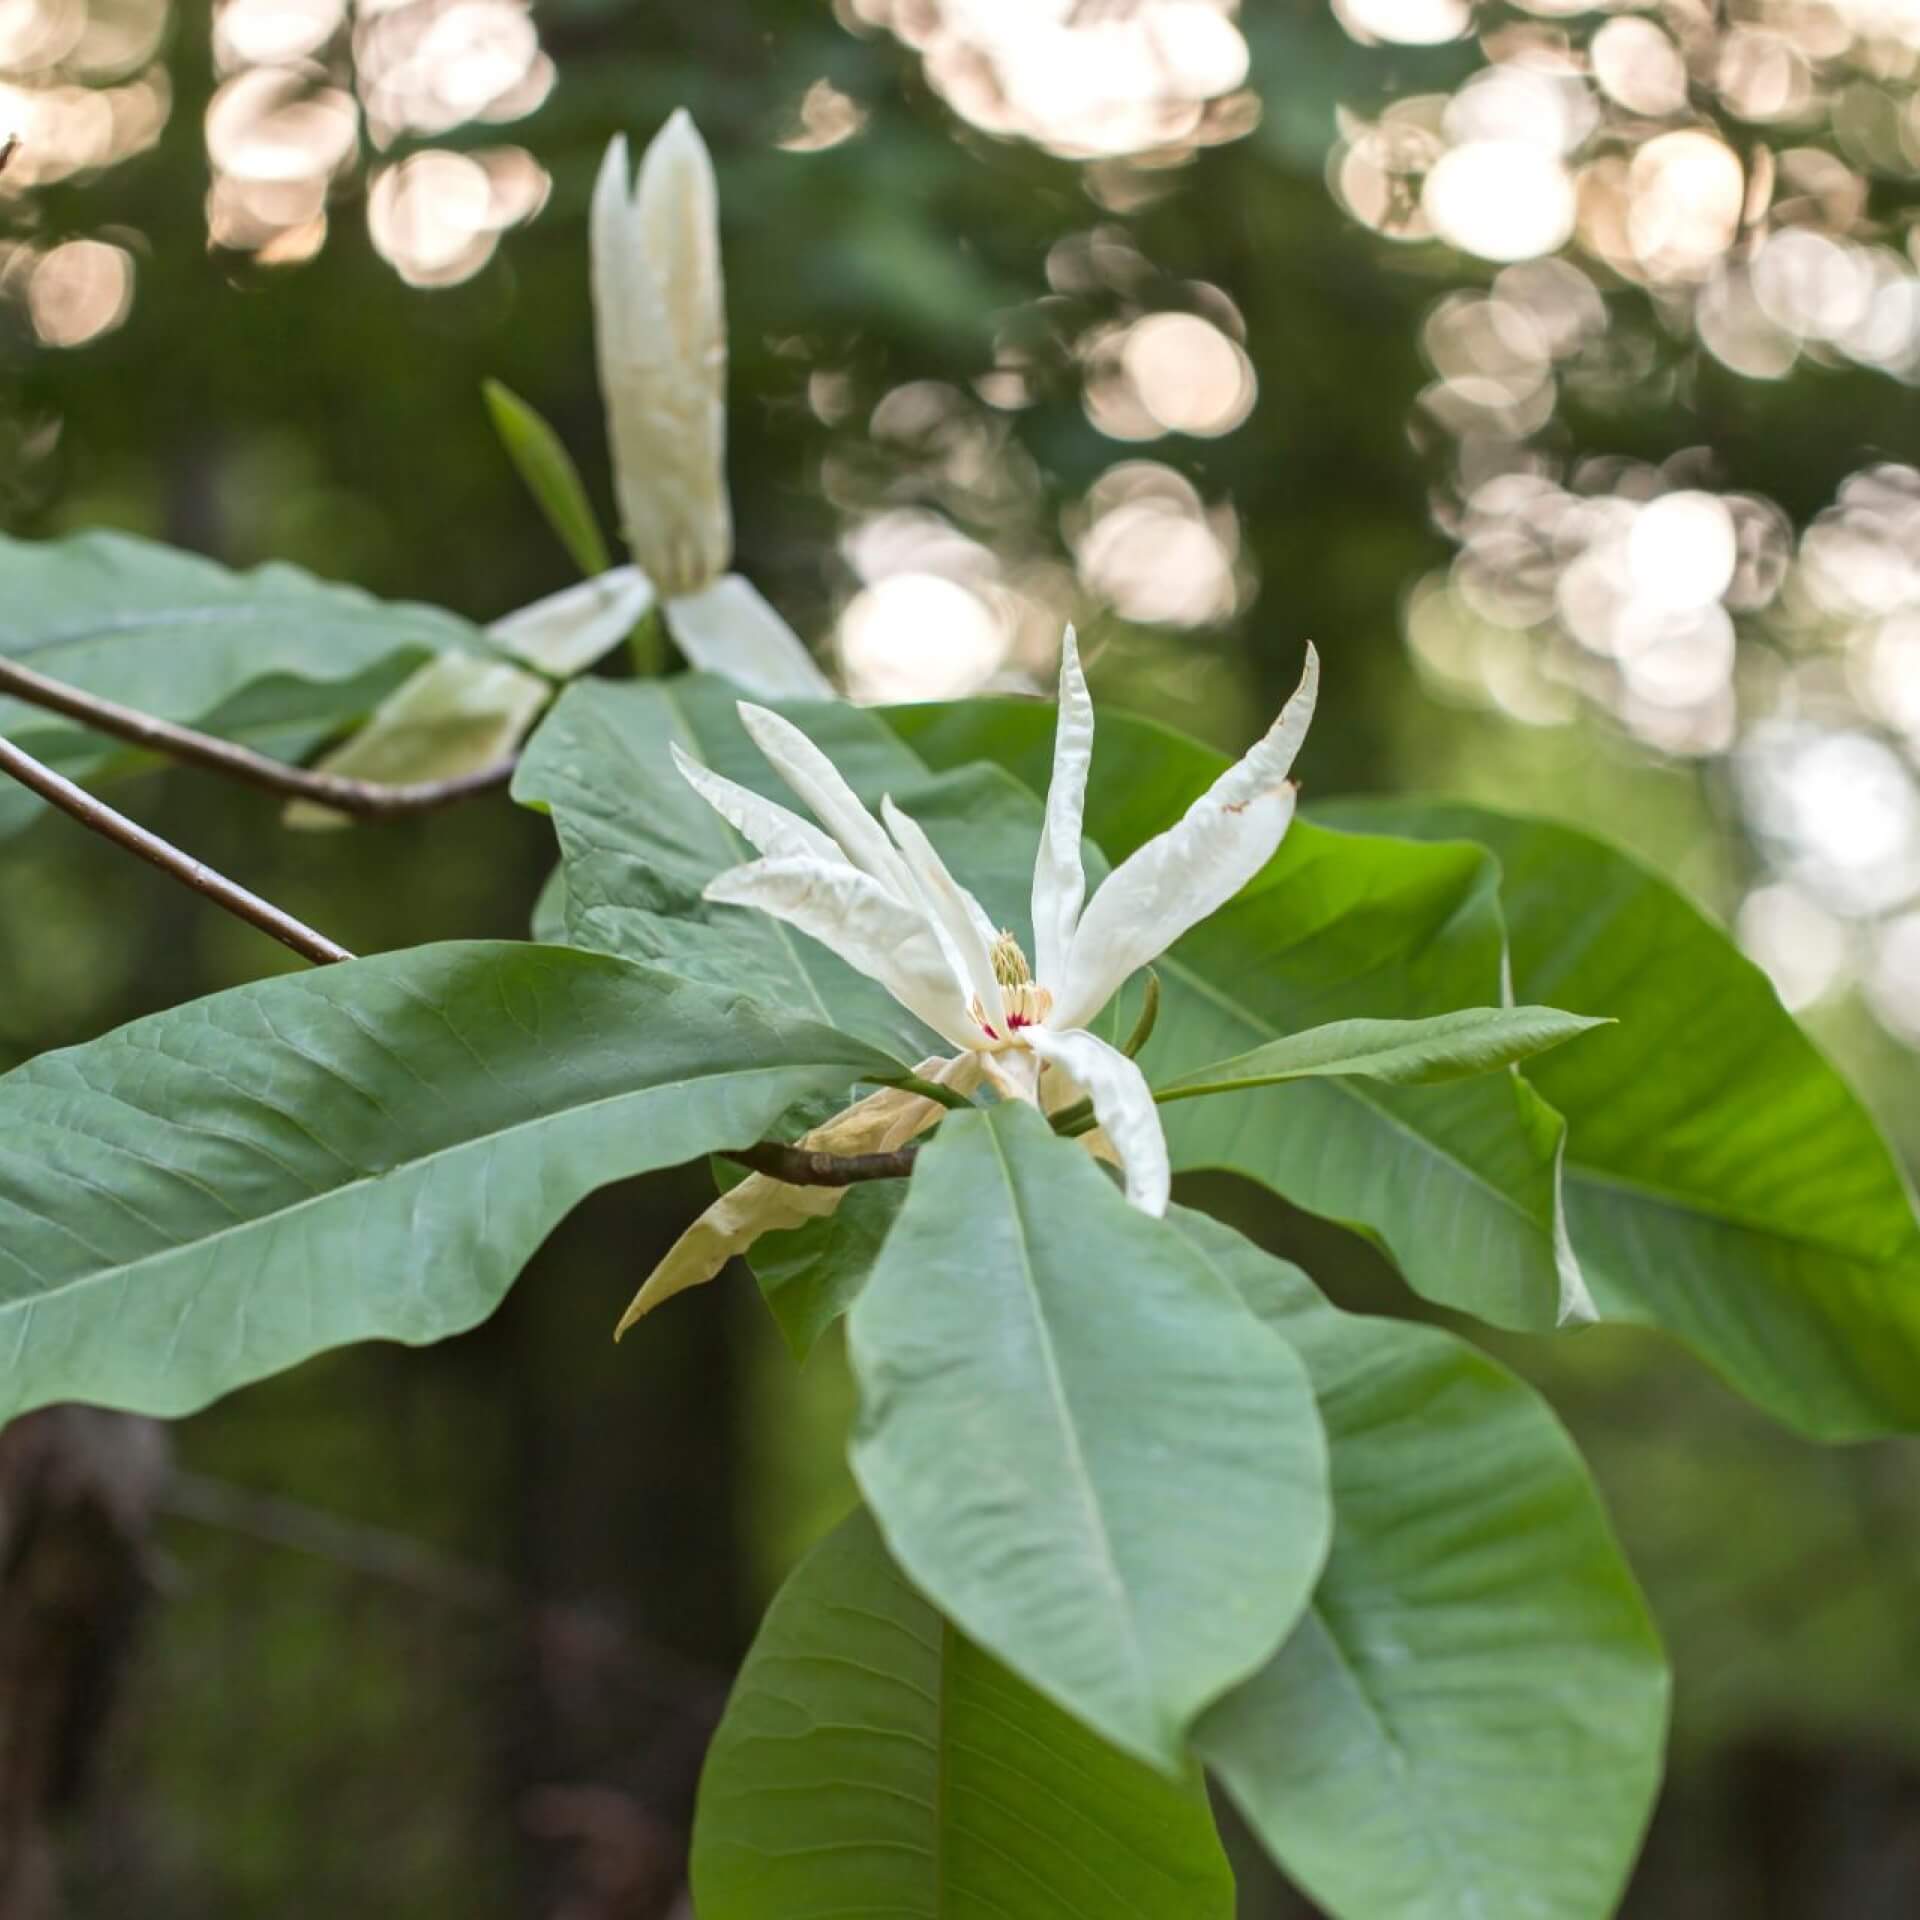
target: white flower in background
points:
(881, 898)
(661, 331)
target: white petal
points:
(959, 923)
(568, 631)
(1015, 1074)
(1270, 759)
(770, 829)
(660, 333)
(871, 929)
(457, 714)
(728, 629)
(1059, 880)
(1161, 890)
(835, 805)
(1122, 1103)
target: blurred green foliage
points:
(442, 1633)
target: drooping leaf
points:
(544, 464)
(1460, 1182)
(873, 1760)
(638, 844)
(1723, 1182)
(256, 656)
(368, 1151)
(1470, 1718)
(1076, 1439)
(1408, 1053)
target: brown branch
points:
(62, 793)
(371, 799)
(802, 1167)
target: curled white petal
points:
(1122, 1103)
(660, 333)
(959, 922)
(729, 629)
(1266, 764)
(1162, 889)
(835, 805)
(567, 632)
(1059, 880)
(866, 924)
(770, 829)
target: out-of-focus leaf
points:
(459, 714)
(1470, 1718)
(545, 465)
(256, 656)
(1077, 1440)
(368, 1151)
(1460, 1182)
(1723, 1182)
(875, 1761)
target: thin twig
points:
(62, 793)
(371, 799)
(802, 1167)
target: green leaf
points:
(809, 1276)
(875, 1761)
(1408, 1053)
(1723, 1182)
(252, 656)
(638, 844)
(457, 715)
(1076, 1440)
(1470, 1718)
(367, 1151)
(550, 475)
(1459, 1182)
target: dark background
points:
(444, 1632)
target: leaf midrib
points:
(123, 1270)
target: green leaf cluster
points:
(1139, 1502)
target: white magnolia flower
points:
(883, 900)
(661, 332)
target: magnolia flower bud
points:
(660, 328)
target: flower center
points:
(1027, 1004)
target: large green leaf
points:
(1459, 1182)
(638, 844)
(1722, 1181)
(1408, 1053)
(875, 1761)
(249, 655)
(1469, 1721)
(370, 1150)
(1076, 1439)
